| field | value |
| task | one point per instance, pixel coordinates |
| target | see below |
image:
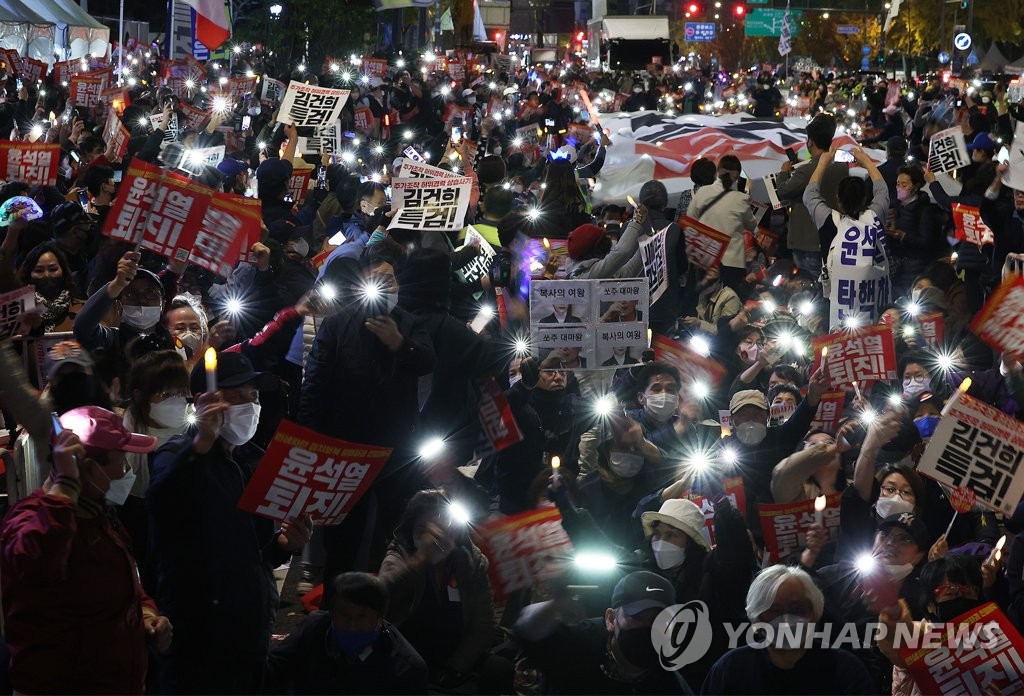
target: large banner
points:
(13, 306)
(309, 105)
(306, 473)
(863, 354)
(33, 163)
(948, 151)
(705, 246)
(693, 367)
(655, 260)
(430, 204)
(785, 525)
(524, 549)
(1000, 323)
(230, 227)
(858, 270)
(979, 447)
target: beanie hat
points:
(583, 239)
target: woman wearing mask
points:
(436, 577)
(678, 545)
(916, 378)
(186, 321)
(46, 268)
(915, 237)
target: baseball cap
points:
(682, 514)
(67, 353)
(983, 141)
(912, 524)
(748, 397)
(642, 590)
(233, 370)
(100, 429)
(274, 169)
(230, 168)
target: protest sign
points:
(374, 67)
(63, 70)
(198, 159)
(411, 153)
(705, 246)
(858, 270)
(410, 169)
(33, 163)
(481, 263)
(861, 354)
(1000, 323)
(13, 306)
(1013, 177)
(230, 224)
(933, 329)
(298, 184)
(766, 239)
(830, 410)
(655, 262)
(758, 209)
(430, 204)
(115, 134)
(273, 90)
(524, 550)
(363, 121)
(457, 70)
(568, 302)
(496, 417)
(239, 87)
(85, 90)
(978, 652)
(194, 117)
(947, 151)
(11, 60)
(159, 209)
(765, 191)
(309, 105)
(693, 368)
(979, 447)
(731, 488)
(970, 227)
(306, 473)
(785, 525)
(623, 312)
(327, 141)
(32, 70)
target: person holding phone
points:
(76, 617)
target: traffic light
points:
(693, 8)
(964, 4)
(739, 11)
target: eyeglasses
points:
(890, 490)
(953, 588)
(152, 296)
(898, 539)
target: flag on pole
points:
(212, 27)
(894, 10)
(786, 38)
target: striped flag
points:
(786, 39)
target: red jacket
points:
(72, 601)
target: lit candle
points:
(998, 553)
(547, 244)
(819, 507)
(856, 389)
(629, 199)
(556, 463)
(650, 337)
(211, 369)
(966, 384)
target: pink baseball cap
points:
(100, 429)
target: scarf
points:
(56, 309)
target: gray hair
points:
(765, 586)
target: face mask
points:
(513, 379)
(240, 423)
(914, 386)
(661, 407)
(895, 505)
(952, 608)
(926, 425)
(119, 488)
(625, 464)
(895, 573)
(300, 247)
(667, 555)
(790, 631)
(254, 110)
(751, 433)
(471, 101)
(636, 646)
(49, 287)
(752, 352)
(902, 194)
(191, 340)
(390, 301)
(169, 413)
(353, 643)
(915, 295)
(141, 318)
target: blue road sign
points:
(699, 31)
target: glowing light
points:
(913, 308)
(521, 346)
(459, 513)
(769, 305)
(431, 448)
(233, 306)
(37, 131)
(785, 339)
(346, 76)
(261, 145)
(944, 361)
(328, 291)
(700, 345)
(966, 384)
(605, 405)
(895, 399)
(408, 135)
(595, 561)
(700, 390)
(378, 149)
(533, 214)
(400, 63)
(220, 104)
(868, 416)
(865, 564)
(729, 455)
(190, 83)
(807, 308)
(851, 322)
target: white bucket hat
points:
(681, 514)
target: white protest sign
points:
(309, 105)
(326, 141)
(411, 169)
(947, 151)
(979, 447)
(197, 159)
(623, 316)
(481, 263)
(13, 306)
(858, 271)
(1014, 175)
(655, 260)
(430, 204)
(272, 91)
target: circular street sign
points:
(866, 50)
(962, 500)
(689, 32)
(962, 41)
(943, 57)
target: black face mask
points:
(49, 287)
(636, 646)
(952, 608)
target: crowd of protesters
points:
(126, 564)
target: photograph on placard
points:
(561, 302)
(620, 344)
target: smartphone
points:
(75, 157)
(118, 175)
(246, 122)
(83, 199)
(481, 320)
(791, 154)
(456, 135)
(349, 134)
(844, 156)
(55, 422)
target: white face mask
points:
(790, 631)
(170, 413)
(471, 100)
(751, 433)
(119, 488)
(390, 301)
(661, 407)
(914, 386)
(892, 506)
(898, 572)
(625, 464)
(518, 188)
(752, 352)
(141, 318)
(667, 555)
(240, 423)
(191, 340)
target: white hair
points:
(197, 307)
(765, 586)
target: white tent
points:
(26, 31)
(38, 30)
(994, 60)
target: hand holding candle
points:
(819, 508)
(556, 464)
(210, 359)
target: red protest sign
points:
(195, 68)
(33, 163)
(860, 354)
(1000, 323)
(116, 134)
(705, 245)
(11, 59)
(933, 329)
(374, 67)
(454, 112)
(766, 239)
(363, 121)
(732, 489)
(228, 225)
(160, 209)
(830, 410)
(962, 500)
(32, 70)
(692, 367)
(298, 184)
(306, 473)
(85, 90)
(63, 71)
(194, 116)
(238, 87)
(785, 525)
(970, 227)
(244, 254)
(977, 652)
(496, 417)
(524, 549)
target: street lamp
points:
(275, 10)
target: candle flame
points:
(966, 384)
(819, 503)
(555, 462)
(210, 358)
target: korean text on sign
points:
(33, 163)
(979, 447)
(430, 205)
(306, 473)
(496, 417)
(864, 354)
(230, 227)
(948, 151)
(732, 488)
(705, 245)
(859, 271)
(13, 306)
(785, 525)
(525, 549)
(85, 90)
(692, 366)
(308, 105)
(970, 227)
(1000, 323)
(830, 410)
(655, 263)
